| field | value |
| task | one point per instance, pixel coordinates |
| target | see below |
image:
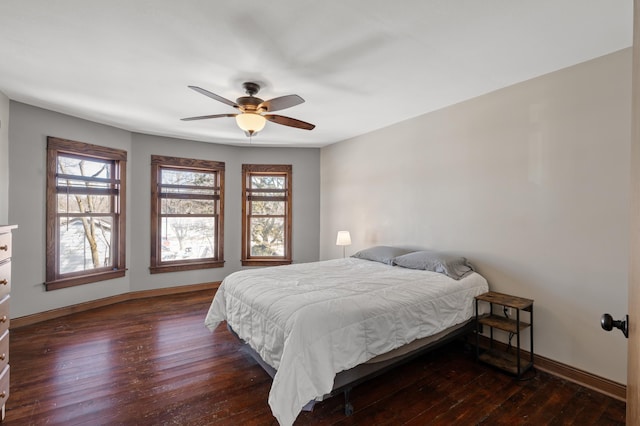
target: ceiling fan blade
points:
(282, 102)
(214, 96)
(204, 117)
(288, 121)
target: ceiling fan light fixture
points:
(251, 122)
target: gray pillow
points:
(452, 266)
(383, 254)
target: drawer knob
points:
(4, 247)
(3, 319)
(3, 357)
(3, 394)
(4, 281)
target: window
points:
(266, 211)
(85, 239)
(187, 205)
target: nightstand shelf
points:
(514, 363)
(505, 324)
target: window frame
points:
(118, 158)
(158, 163)
(249, 170)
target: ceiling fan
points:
(254, 111)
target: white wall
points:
(4, 159)
(29, 127)
(530, 182)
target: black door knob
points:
(608, 323)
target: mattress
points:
(311, 321)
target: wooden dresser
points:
(5, 290)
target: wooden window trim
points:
(54, 280)
(266, 169)
(156, 264)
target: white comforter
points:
(310, 321)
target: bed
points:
(312, 324)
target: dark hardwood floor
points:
(152, 362)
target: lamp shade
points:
(250, 122)
(344, 238)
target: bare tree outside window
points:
(267, 228)
(85, 239)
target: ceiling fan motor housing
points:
(249, 102)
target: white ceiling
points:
(359, 64)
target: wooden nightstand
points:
(514, 363)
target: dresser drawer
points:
(4, 350)
(5, 279)
(5, 246)
(4, 385)
(4, 314)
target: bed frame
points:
(346, 380)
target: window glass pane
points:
(268, 208)
(83, 167)
(197, 207)
(188, 178)
(267, 182)
(267, 236)
(85, 243)
(187, 238)
(74, 203)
